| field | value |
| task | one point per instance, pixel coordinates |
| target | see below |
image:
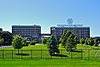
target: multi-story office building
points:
(32, 32)
(81, 32)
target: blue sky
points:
(49, 13)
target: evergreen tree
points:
(64, 37)
(71, 43)
(68, 40)
(52, 45)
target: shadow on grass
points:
(22, 54)
(60, 55)
(76, 51)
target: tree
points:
(64, 37)
(17, 42)
(1, 41)
(25, 41)
(44, 41)
(91, 41)
(75, 41)
(71, 43)
(33, 42)
(7, 36)
(52, 45)
(82, 41)
(97, 41)
(68, 40)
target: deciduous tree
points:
(17, 42)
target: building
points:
(31, 31)
(81, 32)
(45, 35)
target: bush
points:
(33, 42)
(82, 41)
(26, 42)
(44, 41)
(97, 41)
(91, 41)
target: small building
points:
(45, 35)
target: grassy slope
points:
(54, 62)
(37, 51)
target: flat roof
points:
(26, 26)
(70, 27)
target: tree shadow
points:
(22, 54)
(76, 51)
(60, 55)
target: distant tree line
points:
(5, 38)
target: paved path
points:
(5, 46)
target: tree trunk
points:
(18, 51)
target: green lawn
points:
(50, 63)
(31, 56)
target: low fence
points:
(44, 54)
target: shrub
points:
(33, 42)
(82, 41)
(91, 41)
(44, 41)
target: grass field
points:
(90, 56)
(50, 63)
